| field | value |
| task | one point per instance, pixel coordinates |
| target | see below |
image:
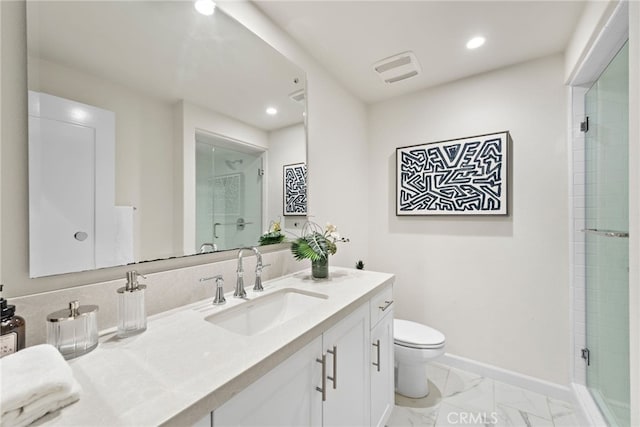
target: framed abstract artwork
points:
(466, 176)
(294, 179)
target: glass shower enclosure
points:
(229, 194)
(607, 243)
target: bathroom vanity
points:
(303, 352)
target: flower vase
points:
(320, 268)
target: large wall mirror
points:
(149, 135)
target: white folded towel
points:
(35, 381)
(33, 411)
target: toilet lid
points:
(412, 334)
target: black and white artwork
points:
(294, 179)
(466, 176)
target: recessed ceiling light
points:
(205, 7)
(271, 111)
(475, 42)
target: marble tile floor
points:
(460, 398)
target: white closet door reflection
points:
(72, 217)
(61, 197)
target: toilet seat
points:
(415, 335)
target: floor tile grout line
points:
(506, 405)
(531, 398)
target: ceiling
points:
(169, 51)
(348, 37)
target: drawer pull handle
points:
(334, 378)
(323, 390)
(388, 303)
(377, 346)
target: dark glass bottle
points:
(13, 329)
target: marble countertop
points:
(182, 367)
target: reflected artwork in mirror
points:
(149, 136)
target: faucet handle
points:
(259, 268)
(258, 285)
(219, 298)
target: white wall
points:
(15, 198)
(496, 287)
(593, 19)
(337, 142)
(286, 146)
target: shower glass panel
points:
(607, 243)
(228, 196)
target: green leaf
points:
(319, 244)
(314, 246)
(301, 250)
(271, 238)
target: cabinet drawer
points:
(381, 304)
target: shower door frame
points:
(239, 145)
(612, 36)
(606, 240)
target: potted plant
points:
(273, 236)
(316, 244)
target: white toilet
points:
(414, 346)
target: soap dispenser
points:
(74, 330)
(132, 315)
(13, 337)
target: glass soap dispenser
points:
(132, 315)
(74, 330)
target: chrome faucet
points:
(208, 247)
(240, 292)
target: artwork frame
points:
(462, 176)
(294, 189)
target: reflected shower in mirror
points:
(175, 84)
(229, 194)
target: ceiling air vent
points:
(397, 67)
(298, 96)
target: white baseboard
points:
(587, 410)
(553, 390)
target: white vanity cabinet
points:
(292, 393)
(382, 362)
(285, 396)
(347, 364)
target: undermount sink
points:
(266, 312)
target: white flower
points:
(331, 228)
(335, 235)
